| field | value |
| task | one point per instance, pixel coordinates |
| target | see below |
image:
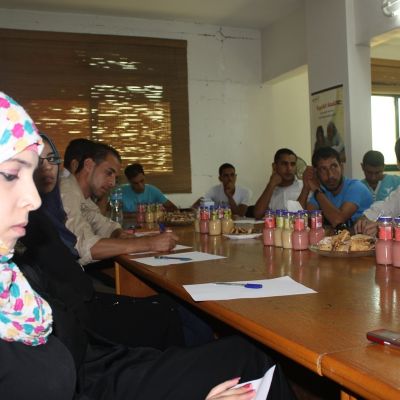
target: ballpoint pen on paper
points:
(173, 258)
(245, 285)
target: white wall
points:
(286, 120)
(284, 45)
(224, 69)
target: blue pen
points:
(245, 285)
(173, 258)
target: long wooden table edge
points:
(291, 350)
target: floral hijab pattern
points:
(24, 316)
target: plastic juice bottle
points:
(287, 231)
(204, 220)
(384, 244)
(300, 235)
(227, 222)
(396, 243)
(317, 231)
(279, 228)
(269, 228)
(214, 225)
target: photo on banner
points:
(327, 120)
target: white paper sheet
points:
(176, 248)
(193, 255)
(262, 385)
(283, 286)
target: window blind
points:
(126, 91)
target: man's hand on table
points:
(365, 226)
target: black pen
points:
(173, 258)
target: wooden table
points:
(324, 332)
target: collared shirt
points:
(390, 207)
(384, 187)
(84, 219)
(353, 191)
(241, 196)
(281, 195)
(131, 199)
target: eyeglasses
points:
(53, 160)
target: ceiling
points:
(256, 14)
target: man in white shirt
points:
(282, 185)
(367, 224)
(234, 196)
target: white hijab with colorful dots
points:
(24, 316)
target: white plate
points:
(243, 236)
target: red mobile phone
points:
(384, 336)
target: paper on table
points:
(262, 385)
(176, 248)
(283, 286)
(193, 255)
(293, 206)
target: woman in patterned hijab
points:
(24, 316)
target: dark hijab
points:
(52, 206)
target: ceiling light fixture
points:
(391, 8)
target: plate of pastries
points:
(179, 218)
(345, 245)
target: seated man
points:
(341, 200)
(98, 237)
(379, 184)
(390, 206)
(137, 191)
(282, 185)
(234, 196)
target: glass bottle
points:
(140, 213)
(278, 229)
(214, 225)
(227, 222)
(287, 230)
(197, 221)
(149, 216)
(396, 243)
(317, 231)
(384, 244)
(159, 213)
(269, 228)
(204, 219)
(300, 234)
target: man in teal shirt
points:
(379, 184)
(138, 192)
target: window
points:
(385, 125)
(126, 91)
(385, 107)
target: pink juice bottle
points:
(396, 243)
(317, 231)
(384, 244)
(269, 228)
(300, 235)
